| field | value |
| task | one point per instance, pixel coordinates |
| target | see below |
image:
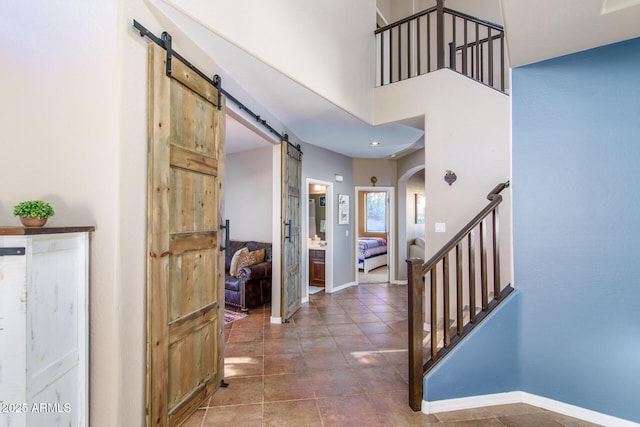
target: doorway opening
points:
(375, 234)
(318, 246)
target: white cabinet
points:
(44, 316)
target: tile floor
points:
(341, 361)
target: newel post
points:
(416, 321)
(440, 33)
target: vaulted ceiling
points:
(544, 29)
(535, 31)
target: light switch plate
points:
(441, 227)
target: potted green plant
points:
(33, 213)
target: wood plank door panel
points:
(185, 295)
(291, 244)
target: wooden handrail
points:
(495, 198)
(416, 292)
(473, 19)
(446, 10)
(405, 20)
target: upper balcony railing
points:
(439, 38)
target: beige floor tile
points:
(282, 346)
(380, 380)
(292, 363)
(341, 361)
(464, 415)
(393, 409)
(325, 361)
(196, 419)
(238, 415)
(318, 345)
(347, 411)
(481, 422)
(529, 420)
(243, 366)
(512, 409)
(298, 413)
(353, 343)
(246, 335)
(240, 391)
(287, 387)
(312, 331)
(341, 382)
(365, 358)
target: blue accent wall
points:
(485, 362)
(576, 209)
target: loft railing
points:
(438, 38)
(468, 266)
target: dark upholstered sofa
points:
(252, 286)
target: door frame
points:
(391, 229)
(328, 255)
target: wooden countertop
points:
(29, 231)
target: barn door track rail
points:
(165, 42)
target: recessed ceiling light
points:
(375, 144)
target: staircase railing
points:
(455, 266)
(438, 38)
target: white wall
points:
(73, 131)
(467, 130)
(408, 166)
(330, 53)
(248, 195)
(415, 185)
(61, 141)
(321, 164)
(384, 7)
(383, 169)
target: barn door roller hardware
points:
(165, 43)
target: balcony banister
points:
(405, 50)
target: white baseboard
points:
(399, 282)
(531, 399)
(276, 319)
(341, 287)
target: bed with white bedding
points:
(372, 253)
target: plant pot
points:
(33, 222)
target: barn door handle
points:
(225, 227)
(287, 235)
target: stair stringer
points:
(485, 362)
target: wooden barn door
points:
(185, 295)
(291, 244)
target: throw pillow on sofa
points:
(233, 268)
(245, 259)
(250, 258)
